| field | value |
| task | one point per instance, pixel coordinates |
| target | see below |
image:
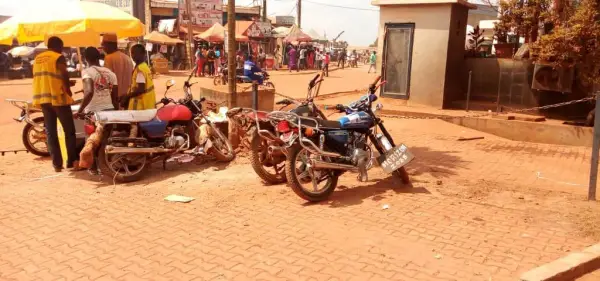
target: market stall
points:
(159, 63)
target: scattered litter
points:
(439, 182)
(539, 176)
(468, 139)
(437, 256)
(47, 177)
(521, 197)
(385, 207)
(179, 198)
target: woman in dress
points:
(292, 62)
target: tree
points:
(475, 40)
(575, 40)
(522, 17)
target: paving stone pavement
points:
(72, 228)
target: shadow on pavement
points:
(439, 164)
(344, 196)
(154, 173)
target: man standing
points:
(210, 60)
(100, 86)
(52, 93)
(326, 64)
(117, 62)
(302, 64)
(141, 94)
(373, 62)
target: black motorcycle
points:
(322, 150)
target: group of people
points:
(306, 57)
(122, 83)
(208, 61)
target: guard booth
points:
(422, 49)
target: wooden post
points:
(188, 7)
(231, 63)
(595, 148)
(264, 11)
(299, 10)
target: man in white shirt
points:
(99, 85)
(302, 64)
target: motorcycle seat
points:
(323, 124)
(136, 116)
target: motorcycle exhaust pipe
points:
(318, 164)
(277, 150)
(136, 150)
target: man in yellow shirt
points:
(52, 93)
(141, 94)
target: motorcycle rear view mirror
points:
(170, 83)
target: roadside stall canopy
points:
(21, 51)
(78, 24)
(315, 36)
(296, 35)
(215, 33)
(240, 27)
(158, 38)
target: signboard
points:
(124, 5)
(204, 13)
(285, 20)
(259, 29)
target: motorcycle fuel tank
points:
(357, 120)
(174, 113)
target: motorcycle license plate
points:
(395, 158)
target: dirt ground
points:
(476, 210)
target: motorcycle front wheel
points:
(271, 173)
(221, 148)
(34, 139)
(313, 186)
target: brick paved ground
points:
(476, 211)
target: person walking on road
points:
(373, 62)
(302, 64)
(52, 93)
(292, 59)
(117, 62)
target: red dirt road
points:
(477, 210)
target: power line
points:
(342, 7)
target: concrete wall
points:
(529, 131)
(430, 44)
(453, 88)
(220, 94)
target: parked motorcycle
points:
(268, 152)
(266, 80)
(178, 131)
(322, 150)
(34, 134)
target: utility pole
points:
(264, 12)
(299, 10)
(188, 7)
(231, 63)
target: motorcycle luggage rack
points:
(312, 147)
(263, 133)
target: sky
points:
(360, 25)
(359, 21)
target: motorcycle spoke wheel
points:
(312, 181)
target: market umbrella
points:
(158, 38)
(215, 33)
(296, 34)
(77, 23)
(21, 51)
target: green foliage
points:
(574, 41)
(521, 17)
(475, 40)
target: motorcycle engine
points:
(174, 141)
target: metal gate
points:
(397, 57)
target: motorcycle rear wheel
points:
(29, 143)
(114, 167)
(294, 178)
(259, 153)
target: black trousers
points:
(65, 115)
